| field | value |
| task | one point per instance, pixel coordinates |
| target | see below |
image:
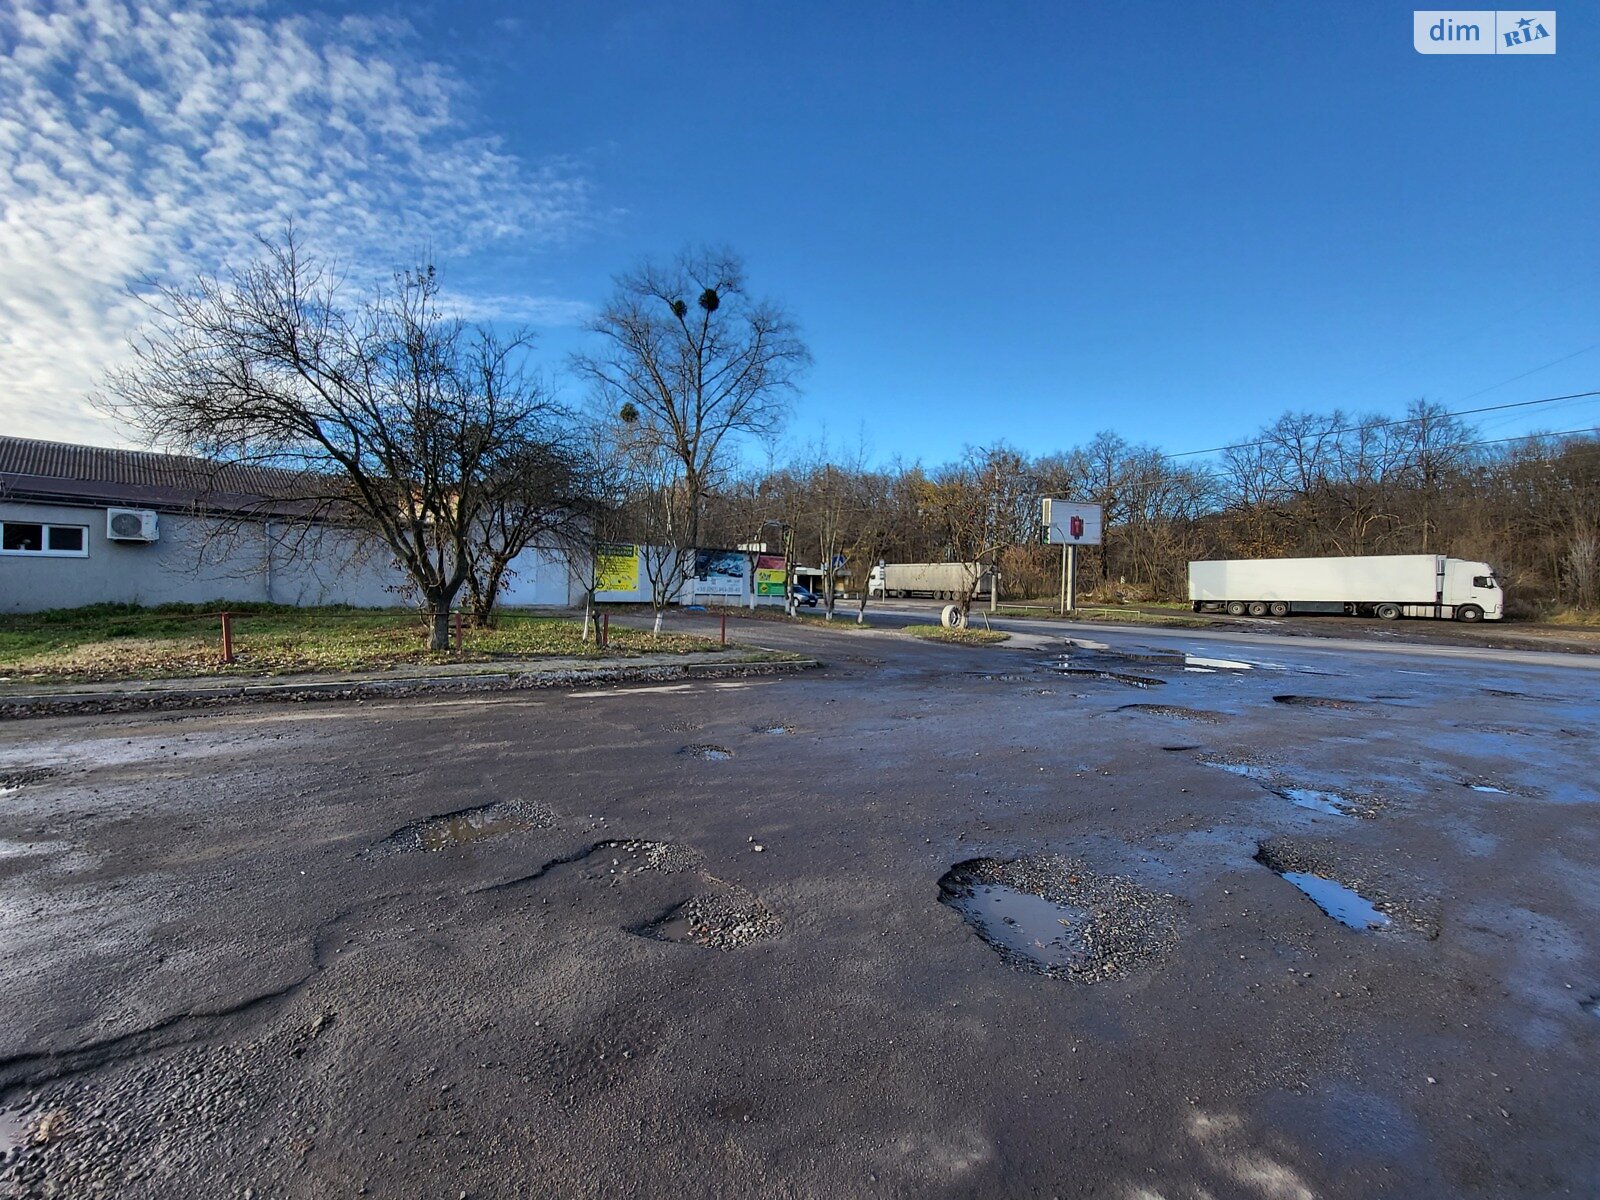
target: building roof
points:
(64, 473)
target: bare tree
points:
(697, 362)
(983, 505)
(389, 413)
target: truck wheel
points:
(1388, 612)
(1469, 612)
(1280, 608)
(1236, 608)
(1258, 608)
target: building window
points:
(31, 537)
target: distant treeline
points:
(1308, 484)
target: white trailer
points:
(942, 581)
(1385, 585)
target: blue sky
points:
(1024, 222)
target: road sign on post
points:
(1069, 526)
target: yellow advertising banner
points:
(616, 567)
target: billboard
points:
(771, 575)
(1068, 524)
(616, 567)
(719, 572)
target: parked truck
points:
(942, 581)
(1388, 586)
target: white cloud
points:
(156, 138)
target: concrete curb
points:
(56, 704)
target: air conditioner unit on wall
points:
(132, 525)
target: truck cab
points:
(1473, 590)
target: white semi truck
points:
(942, 581)
(1389, 586)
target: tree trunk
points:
(656, 631)
(439, 625)
(588, 615)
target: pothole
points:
(1320, 702)
(1055, 916)
(1591, 1005)
(708, 752)
(13, 781)
(1174, 710)
(1140, 681)
(682, 727)
(1493, 789)
(465, 826)
(719, 920)
(776, 730)
(636, 855)
(1314, 878)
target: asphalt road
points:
(232, 961)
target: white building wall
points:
(196, 560)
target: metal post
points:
(1063, 579)
(227, 637)
(1072, 578)
(724, 616)
(605, 630)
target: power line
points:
(1464, 412)
(1590, 448)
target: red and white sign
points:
(1068, 524)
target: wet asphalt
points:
(527, 944)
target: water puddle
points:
(466, 826)
(1195, 662)
(1343, 904)
(1243, 769)
(776, 730)
(708, 752)
(1319, 702)
(13, 1132)
(1318, 801)
(1488, 787)
(1338, 900)
(1058, 917)
(1024, 925)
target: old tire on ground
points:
(1236, 608)
(951, 617)
(1469, 612)
(1258, 608)
(1279, 608)
(1388, 612)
